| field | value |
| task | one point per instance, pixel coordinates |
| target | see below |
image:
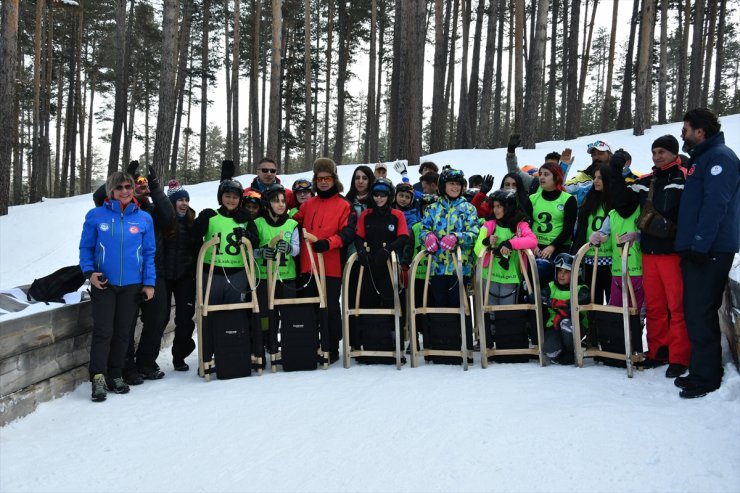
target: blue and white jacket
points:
(120, 244)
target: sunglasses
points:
(120, 188)
(380, 193)
(324, 179)
(272, 171)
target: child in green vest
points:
(302, 191)
(558, 345)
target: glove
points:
(431, 243)
(699, 258)
(207, 214)
(504, 262)
(227, 169)
(631, 237)
(617, 162)
(381, 257)
(240, 233)
(363, 259)
(403, 277)
(596, 238)
(506, 244)
(400, 168)
(487, 241)
(269, 253)
(448, 242)
(132, 167)
(240, 215)
(487, 184)
(152, 178)
(514, 141)
(321, 246)
(283, 246)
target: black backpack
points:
(54, 286)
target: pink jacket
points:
(522, 239)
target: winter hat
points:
(667, 142)
(175, 192)
(326, 165)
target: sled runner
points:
(511, 337)
(615, 333)
(446, 338)
(302, 325)
(227, 331)
(379, 332)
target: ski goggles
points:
(563, 261)
(599, 145)
(251, 196)
(301, 186)
(142, 182)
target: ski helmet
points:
(228, 186)
(404, 187)
(507, 198)
(383, 185)
(251, 196)
(450, 175)
(564, 261)
(271, 191)
(301, 185)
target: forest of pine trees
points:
(146, 72)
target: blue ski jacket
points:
(709, 213)
(120, 244)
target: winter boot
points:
(99, 389)
(118, 386)
(151, 372)
(180, 365)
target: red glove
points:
(431, 243)
(448, 242)
(404, 276)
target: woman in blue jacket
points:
(117, 255)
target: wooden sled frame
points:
(424, 309)
(320, 277)
(348, 311)
(483, 286)
(203, 307)
(626, 312)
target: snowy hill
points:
(512, 427)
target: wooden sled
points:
(321, 317)
(464, 352)
(532, 284)
(203, 308)
(592, 347)
(357, 311)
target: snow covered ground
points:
(515, 427)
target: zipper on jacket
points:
(120, 275)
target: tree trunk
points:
(184, 55)
(129, 129)
(88, 154)
(79, 107)
(564, 70)
(584, 67)
(547, 129)
(18, 136)
(8, 61)
(204, 90)
(308, 125)
(683, 36)
(370, 126)
(709, 39)
(519, 35)
(450, 87)
(496, 135)
(606, 110)
(327, 92)
(534, 77)
(663, 64)
(273, 128)
(473, 103)
(642, 103)
(484, 114)
(375, 138)
(439, 110)
(168, 66)
(412, 78)
(697, 52)
(227, 69)
(121, 97)
(254, 107)
(38, 177)
(624, 119)
(235, 141)
(717, 93)
(507, 123)
(70, 133)
(341, 80)
(462, 138)
(571, 119)
(54, 184)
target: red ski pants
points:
(664, 301)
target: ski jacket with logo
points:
(382, 228)
(120, 244)
(709, 215)
(444, 217)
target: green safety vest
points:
(292, 212)
(421, 271)
(594, 223)
(267, 232)
(548, 216)
(560, 294)
(498, 273)
(228, 252)
(620, 226)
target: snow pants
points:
(558, 339)
(615, 298)
(114, 311)
(704, 286)
(184, 292)
(603, 281)
(666, 326)
(154, 319)
(333, 292)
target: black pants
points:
(184, 292)
(333, 292)
(114, 313)
(154, 320)
(603, 282)
(703, 287)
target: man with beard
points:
(581, 183)
(141, 362)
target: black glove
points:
(363, 259)
(240, 215)
(514, 141)
(487, 184)
(617, 162)
(321, 246)
(506, 244)
(240, 233)
(381, 257)
(699, 258)
(504, 262)
(206, 214)
(152, 178)
(227, 169)
(283, 246)
(487, 241)
(269, 253)
(132, 167)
